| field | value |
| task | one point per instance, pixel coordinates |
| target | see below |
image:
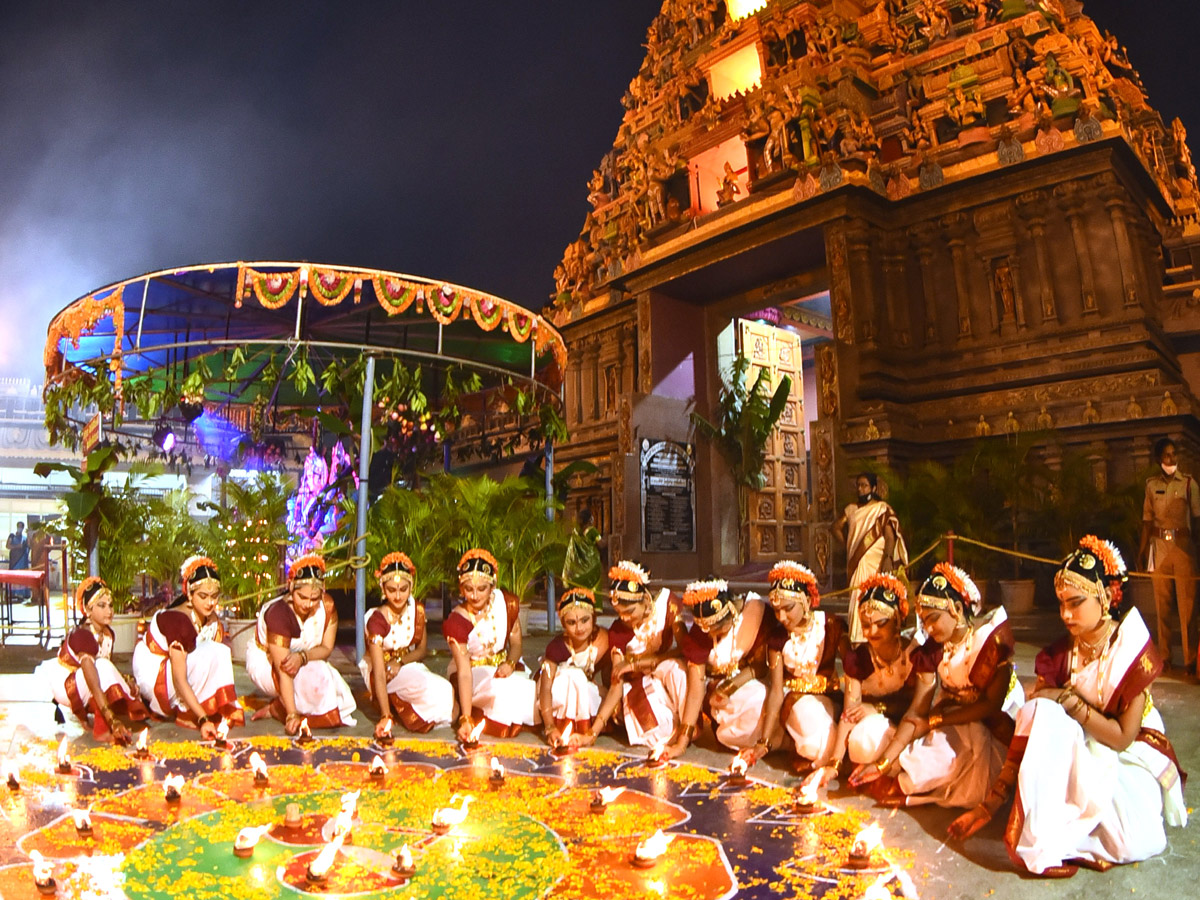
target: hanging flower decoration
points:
(330, 286)
(273, 289)
(487, 312)
(394, 295)
(79, 319)
(445, 304)
(520, 325)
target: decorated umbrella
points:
(222, 348)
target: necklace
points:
(1087, 652)
(880, 665)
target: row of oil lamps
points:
(646, 855)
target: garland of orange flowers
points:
(961, 582)
(700, 591)
(330, 286)
(309, 560)
(445, 304)
(394, 294)
(787, 570)
(402, 558)
(488, 313)
(519, 325)
(81, 318)
(1107, 553)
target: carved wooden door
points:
(779, 511)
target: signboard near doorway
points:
(668, 489)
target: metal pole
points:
(360, 548)
(550, 609)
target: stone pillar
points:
(858, 254)
(895, 293)
(1071, 200)
(1113, 195)
(924, 236)
(956, 227)
(1032, 208)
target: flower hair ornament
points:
(396, 567)
(791, 580)
(709, 601)
(477, 564)
(577, 596)
(199, 572)
(307, 569)
(1095, 568)
(87, 591)
(885, 593)
(628, 582)
(951, 589)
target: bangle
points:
(107, 714)
(689, 731)
(202, 721)
(464, 718)
(304, 657)
(935, 721)
(882, 765)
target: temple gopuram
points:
(942, 219)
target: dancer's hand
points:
(208, 731)
(120, 734)
(856, 713)
(505, 669)
(383, 728)
(865, 774)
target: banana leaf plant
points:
(740, 432)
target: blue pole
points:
(360, 549)
(550, 589)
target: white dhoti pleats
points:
(665, 689)
(737, 721)
(954, 766)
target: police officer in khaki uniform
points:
(1172, 506)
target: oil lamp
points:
(404, 865)
(866, 842)
(260, 769)
(291, 816)
(497, 777)
(650, 851)
(447, 817)
(247, 839)
(172, 788)
(64, 759)
(83, 822)
(385, 740)
(142, 749)
(304, 736)
(655, 758)
(738, 767)
(43, 874)
(563, 747)
(318, 869)
(472, 740)
(805, 801)
(10, 777)
(377, 769)
(603, 797)
(221, 742)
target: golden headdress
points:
(307, 569)
(87, 591)
(577, 596)
(709, 600)
(886, 593)
(951, 589)
(1096, 568)
(199, 571)
(396, 566)
(628, 582)
(791, 579)
(477, 563)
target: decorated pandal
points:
(267, 817)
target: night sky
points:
(451, 140)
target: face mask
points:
(1170, 470)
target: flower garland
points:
(487, 313)
(273, 289)
(445, 304)
(394, 295)
(330, 286)
(520, 325)
(81, 318)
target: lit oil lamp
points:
(738, 767)
(650, 851)
(260, 769)
(247, 839)
(83, 822)
(563, 747)
(141, 749)
(377, 769)
(496, 779)
(10, 777)
(404, 865)
(866, 842)
(221, 741)
(318, 869)
(343, 824)
(304, 736)
(43, 874)
(603, 797)
(447, 817)
(472, 740)
(385, 740)
(655, 758)
(64, 759)
(173, 788)
(350, 802)
(806, 801)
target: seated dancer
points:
(726, 650)
(289, 659)
(802, 659)
(1096, 776)
(484, 634)
(647, 682)
(567, 691)
(948, 752)
(182, 667)
(82, 675)
(396, 645)
(880, 677)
